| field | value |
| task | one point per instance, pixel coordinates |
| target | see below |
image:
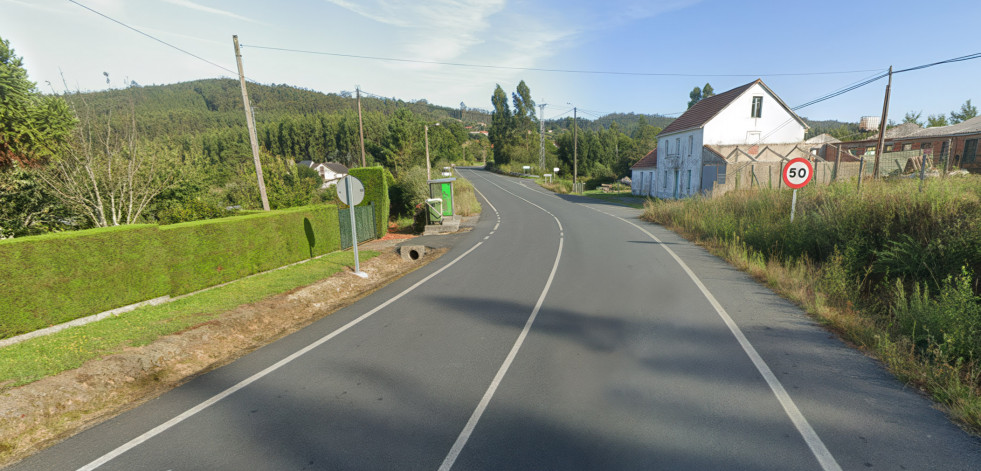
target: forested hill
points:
(203, 105)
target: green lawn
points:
(624, 198)
(37, 358)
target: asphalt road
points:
(561, 333)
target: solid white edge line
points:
(242, 384)
(814, 442)
(461, 440)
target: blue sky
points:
(725, 43)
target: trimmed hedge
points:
(211, 252)
(54, 278)
(375, 191)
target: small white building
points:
(748, 115)
(331, 172)
(642, 175)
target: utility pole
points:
(541, 135)
(361, 127)
(250, 122)
(575, 147)
(425, 128)
(882, 128)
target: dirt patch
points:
(37, 415)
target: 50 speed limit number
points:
(797, 173)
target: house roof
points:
(822, 139)
(707, 108)
(306, 163)
(899, 132)
(335, 167)
(971, 126)
(648, 161)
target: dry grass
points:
(751, 231)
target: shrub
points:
(211, 252)
(375, 181)
(54, 278)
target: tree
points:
(707, 91)
(27, 206)
(967, 112)
(33, 127)
(913, 117)
(695, 95)
(502, 126)
(112, 179)
(524, 106)
(936, 120)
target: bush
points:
(211, 252)
(411, 190)
(375, 181)
(54, 278)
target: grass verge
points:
(37, 358)
(464, 197)
(890, 269)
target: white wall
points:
(687, 146)
(641, 178)
(733, 124)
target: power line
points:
(161, 41)
(540, 69)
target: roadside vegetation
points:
(892, 269)
(44, 356)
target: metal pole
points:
(253, 140)
(541, 137)
(354, 229)
(575, 148)
(793, 205)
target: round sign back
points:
(797, 173)
(357, 190)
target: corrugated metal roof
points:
(971, 126)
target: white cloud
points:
(207, 9)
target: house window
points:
(665, 185)
(677, 143)
(720, 174)
(970, 151)
(689, 182)
(667, 147)
(691, 145)
(757, 110)
(870, 150)
(889, 148)
(944, 148)
(907, 146)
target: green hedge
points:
(211, 252)
(375, 191)
(54, 278)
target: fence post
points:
(861, 166)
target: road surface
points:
(560, 333)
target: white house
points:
(748, 115)
(331, 172)
(642, 175)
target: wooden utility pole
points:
(882, 128)
(541, 136)
(361, 128)
(575, 147)
(425, 128)
(251, 124)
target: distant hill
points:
(203, 105)
(840, 130)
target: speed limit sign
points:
(797, 173)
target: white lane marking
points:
(468, 429)
(251, 379)
(820, 451)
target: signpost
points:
(351, 191)
(797, 174)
